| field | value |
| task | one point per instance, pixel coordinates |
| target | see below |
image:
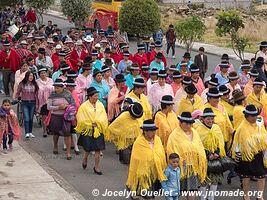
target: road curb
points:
(58, 179)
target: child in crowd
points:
(9, 125)
(171, 186)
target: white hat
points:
(104, 41)
(79, 42)
(24, 42)
(88, 39)
(97, 45)
(68, 40)
(30, 35)
(58, 46)
(50, 40)
(55, 34)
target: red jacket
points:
(56, 64)
(54, 57)
(12, 63)
(74, 59)
(140, 59)
(121, 56)
(115, 57)
(31, 16)
(152, 57)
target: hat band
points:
(185, 118)
(134, 68)
(245, 65)
(106, 69)
(172, 69)
(251, 112)
(148, 126)
(194, 70)
(233, 77)
(167, 102)
(213, 83)
(253, 74)
(263, 45)
(177, 76)
(64, 68)
(72, 75)
(135, 114)
(183, 64)
(186, 82)
(152, 45)
(258, 83)
(94, 54)
(213, 95)
(224, 65)
(136, 83)
(62, 54)
(70, 84)
(154, 73)
(208, 114)
(158, 45)
(42, 69)
(58, 84)
(126, 54)
(162, 75)
(140, 48)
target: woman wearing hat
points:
(157, 63)
(83, 81)
(106, 72)
(253, 74)
(190, 102)
(244, 74)
(226, 102)
(240, 102)
(213, 142)
(153, 79)
(125, 63)
(165, 119)
(64, 72)
(259, 66)
(212, 83)
(101, 86)
(185, 141)
(222, 75)
(43, 60)
(137, 94)
(224, 59)
(97, 64)
(19, 76)
(57, 103)
(148, 161)
(196, 80)
(124, 130)
(134, 74)
(92, 124)
(140, 56)
(176, 84)
(233, 83)
(249, 149)
(158, 90)
(262, 53)
(116, 97)
(258, 97)
(154, 52)
(221, 115)
(185, 60)
(45, 85)
(61, 57)
(77, 55)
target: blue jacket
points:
(172, 184)
(103, 91)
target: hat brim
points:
(186, 121)
(58, 85)
(254, 115)
(149, 128)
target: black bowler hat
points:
(176, 74)
(187, 80)
(233, 76)
(70, 83)
(173, 68)
(119, 78)
(88, 59)
(154, 71)
(213, 93)
(258, 81)
(224, 64)
(145, 67)
(91, 91)
(62, 53)
(149, 125)
(191, 89)
(96, 71)
(94, 53)
(224, 90)
(139, 82)
(141, 47)
(187, 55)
(72, 74)
(105, 69)
(58, 83)
(208, 112)
(136, 110)
(126, 54)
(213, 82)
(158, 44)
(194, 68)
(41, 50)
(245, 64)
(107, 50)
(159, 55)
(251, 110)
(65, 67)
(260, 61)
(162, 73)
(167, 99)
(225, 57)
(263, 44)
(6, 43)
(186, 117)
(253, 73)
(86, 66)
(134, 66)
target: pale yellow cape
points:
(190, 152)
(253, 99)
(144, 102)
(124, 130)
(249, 140)
(228, 107)
(186, 105)
(87, 115)
(212, 138)
(147, 164)
(238, 116)
(222, 120)
(165, 124)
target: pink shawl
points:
(45, 89)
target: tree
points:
(5, 3)
(78, 10)
(189, 30)
(229, 23)
(139, 17)
(40, 6)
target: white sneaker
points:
(27, 135)
(173, 57)
(5, 151)
(31, 135)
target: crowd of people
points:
(86, 83)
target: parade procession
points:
(180, 125)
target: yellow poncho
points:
(238, 116)
(249, 140)
(212, 138)
(147, 164)
(166, 125)
(222, 120)
(144, 102)
(186, 105)
(124, 130)
(192, 152)
(87, 115)
(228, 107)
(253, 99)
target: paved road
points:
(115, 174)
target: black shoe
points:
(77, 152)
(68, 157)
(229, 180)
(98, 173)
(84, 166)
(71, 148)
(55, 152)
(64, 149)
(44, 135)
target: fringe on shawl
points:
(85, 128)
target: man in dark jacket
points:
(259, 67)
(201, 60)
(171, 39)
